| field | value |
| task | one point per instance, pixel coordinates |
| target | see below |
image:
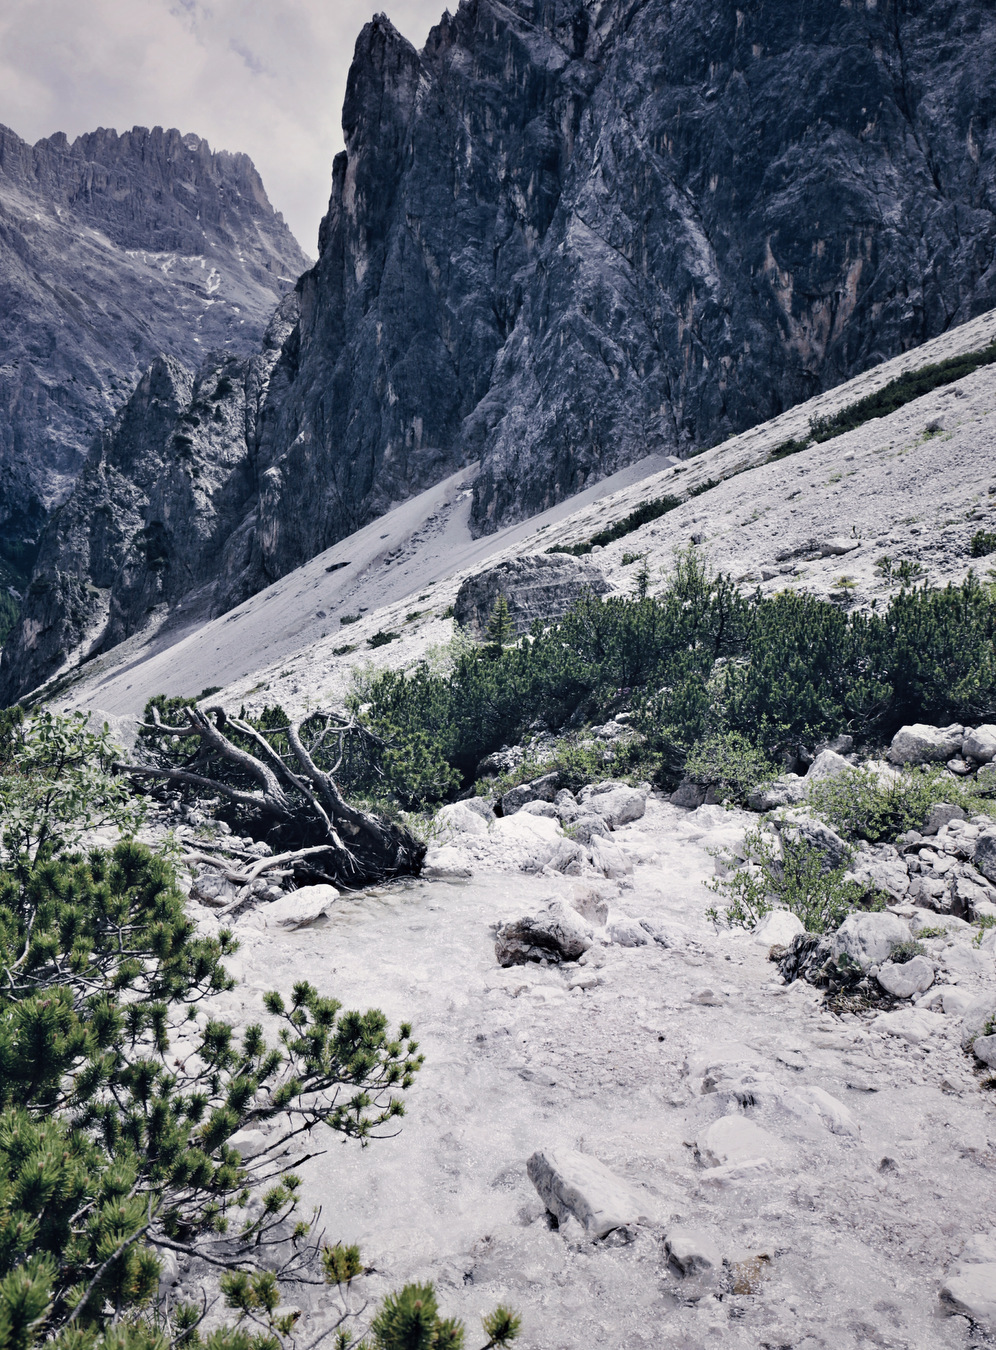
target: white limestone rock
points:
(734, 1141)
(778, 928)
(907, 978)
(619, 806)
(693, 1251)
(457, 819)
(868, 938)
(301, 907)
(922, 744)
(972, 1293)
(444, 862)
(980, 744)
(573, 1184)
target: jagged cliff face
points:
(570, 233)
(113, 250)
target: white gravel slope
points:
(907, 492)
(858, 1230)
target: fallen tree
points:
(272, 778)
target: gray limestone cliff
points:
(115, 250)
(570, 233)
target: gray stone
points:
(539, 790)
(575, 1185)
(977, 1018)
(868, 939)
(481, 807)
(986, 779)
(736, 1140)
(543, 586)
(984, 855)
(827, 764)
(880, 874)
(692, 1251)
(972, 1293)
(922, 744)
(907, 978)
(797, 826)
(541, 809)
(619, 806)
(984, 1048)
(778, 928)
(556, 934)
(590, 903)
(212, 888)
(688, 794)
(940, 813)
(301, 907)
(588, 826)
(628, 933)
(980, 744)
(787, 790)
(608, 858)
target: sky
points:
(266, 77)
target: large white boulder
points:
(869, 939)
(692, 1251)
(444, 862)
(827, 764)
(619, 806)
(907, 978)
(972, 1292)
(458, 819)
(301, 907)
(980, 744)
(608, 858)
(530, 841)
(778, 928)
(573, 1184)
(556, 933)
(921, 744)
(977, 1018)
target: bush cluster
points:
(863, 804)
(698, 661)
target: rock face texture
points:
(114, 250)
(542, 586)
(569, 233)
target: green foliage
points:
(789, 447)
(983, 543)
(984, 924)
(57, 782)
(382, 638)
(863, 804)
(730, 763)
(501, 629)
(905, 951)
(643, 515)
(914, 384)
(410, 1320)
(349, 618)
(791, 874)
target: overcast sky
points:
(263, 76)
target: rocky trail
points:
(779, 1174)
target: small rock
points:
(692, 1251)
(628, 933)
(588, 826)
(573, 1184)
(984, 1048)
(557, 933)
(445, 863)
(212, 888)
(539, 790)
(972, 1292)
(906, 979)
(541, 809)
(778, 928)
(736, 1140)
(980, 744)
(940, 814)
(688, 794)
(787, 790)
(984, 856)
(796, 825)
(301, 907)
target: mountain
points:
(565, 235)
(115, 250)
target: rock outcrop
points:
(543, 586)
(567, 234)
(115, 250)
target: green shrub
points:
(914, 384)
(862, 804)
(382, 638)
(793, 876)
(983, 543)
(730, 763)
(789, 447)
(643, 515)
(906, 951)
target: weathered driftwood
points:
(290, 801)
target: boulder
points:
(443, 862)
(575, 1185)
(907, 978)
(868, 939)
(589, 902)
(692, 1251)
(480, 807)
(787, 790)
(556, 934)
(971, 1292)
(985, 779)
(301, 907)
(880, 874)
(778, 928)
(212, 888)
(921, 744)
(529, 841)
(984, 855)
(542, 789)
(977, 1019)
(827, 764)
(984, 1048)
(940, 813)
(588, 826)
(619, 806)
(567, 857)
(459, 819)
(608, 858)
(628, 933)
(980, 744)
(688, 794)
(541, 809)
(797, 826)
(539, 586)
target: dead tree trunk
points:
(295, 803)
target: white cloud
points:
(263, 76)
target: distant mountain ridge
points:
(115, 249)
(565, 235)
